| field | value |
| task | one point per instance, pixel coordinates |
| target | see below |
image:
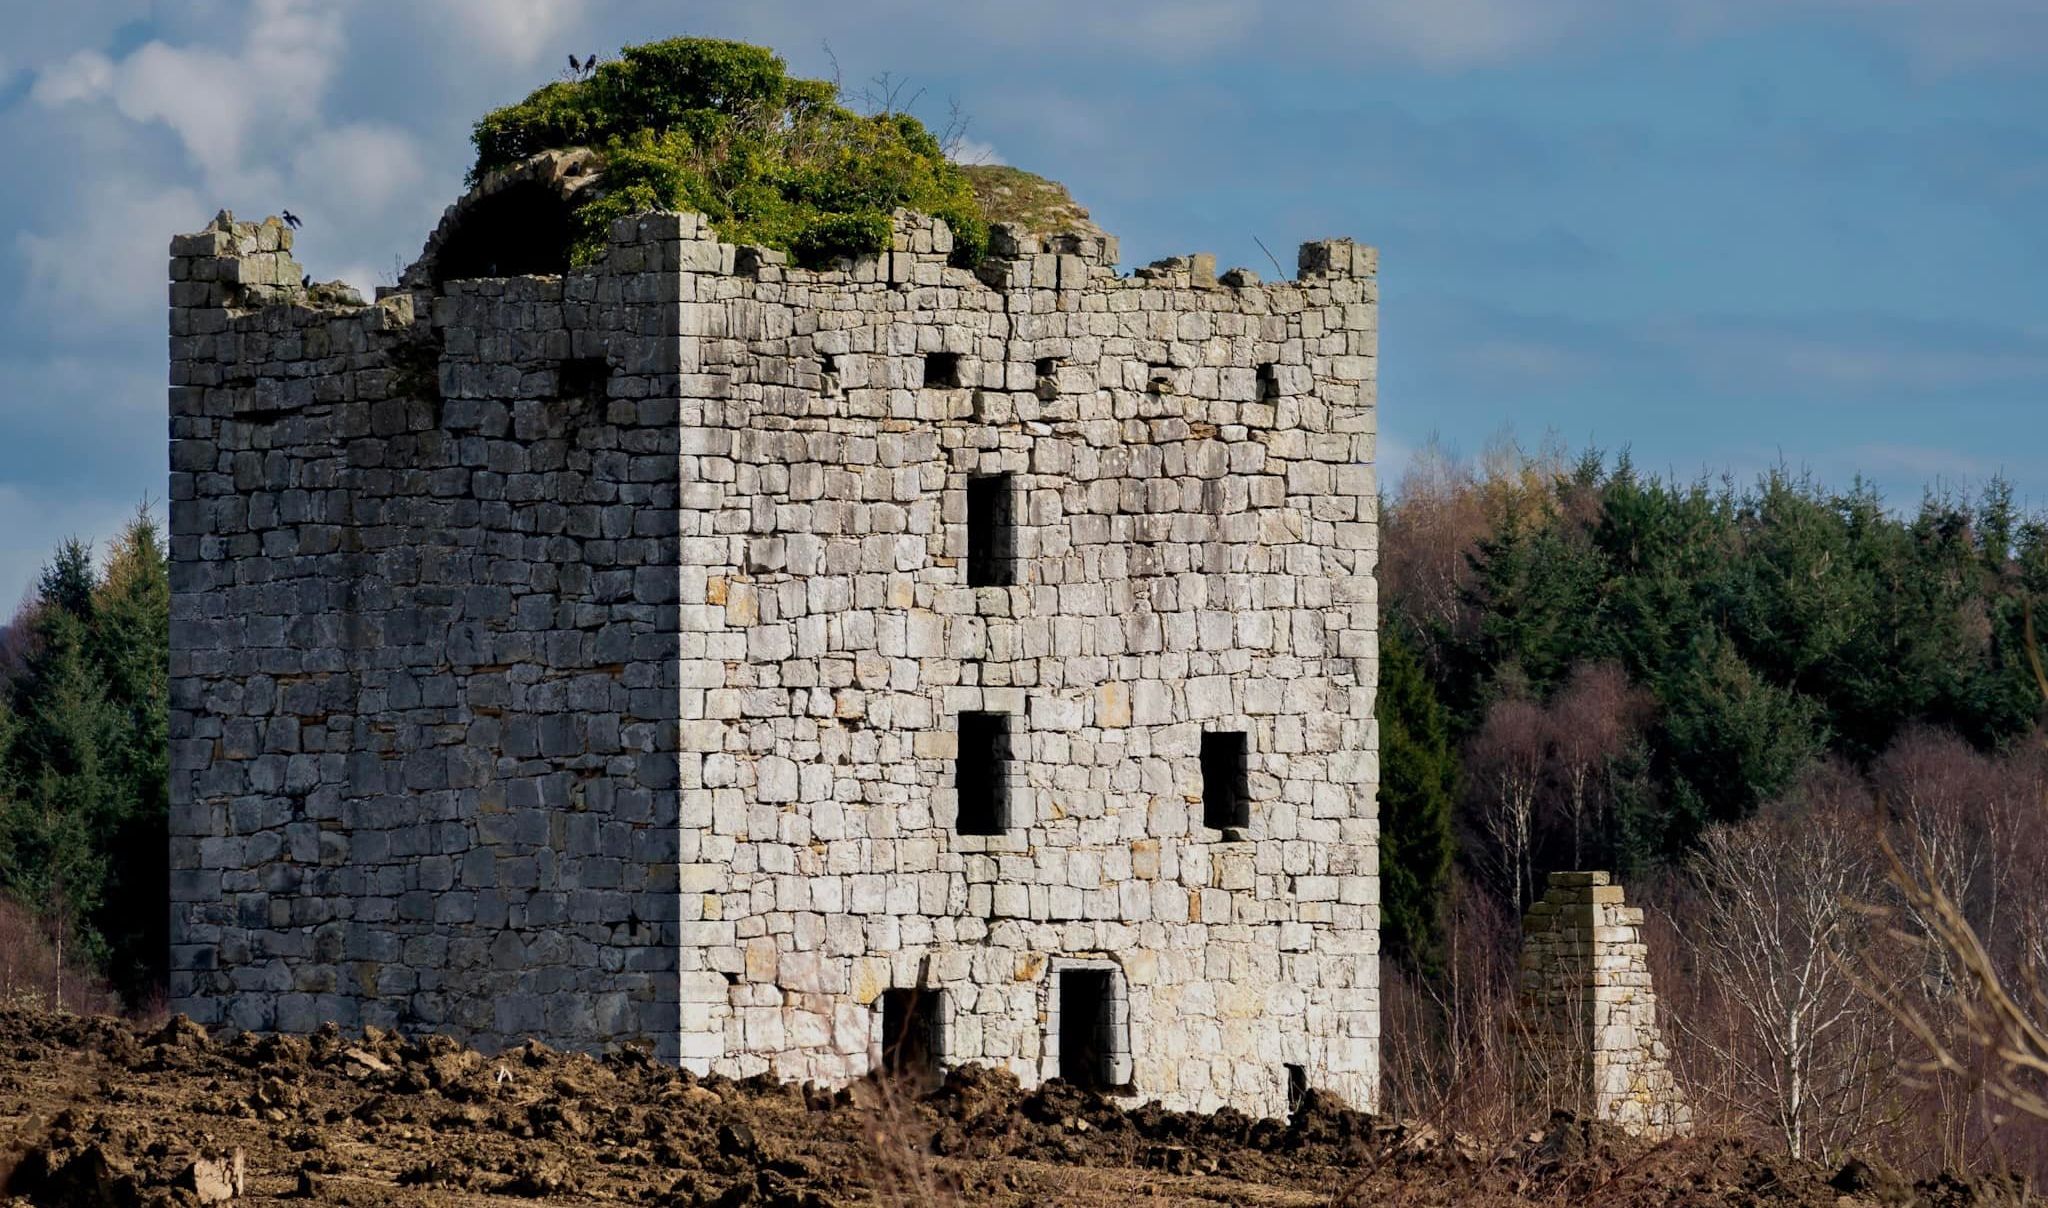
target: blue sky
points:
(1723, 233)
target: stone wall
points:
(424, 647)
(1587, 995)
(582, 656)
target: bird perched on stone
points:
(306, 281)
(291, 220)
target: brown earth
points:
(96, 1112)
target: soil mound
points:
(97, 1113)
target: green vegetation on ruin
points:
(722, 128)
(1010, 194)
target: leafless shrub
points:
(32, 972)
(1453, 1050)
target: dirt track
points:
(93, 1112)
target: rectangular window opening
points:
(1226, 783)
(584, 379)
(1269, 382)
(910, 1033)
(942, 371)
(1088, 1040)
(991, 531)
(981, 774)
(1297, 1087)
(1047, 366)
(828, 375)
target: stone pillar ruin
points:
(1591, 1010)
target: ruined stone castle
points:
(890, 665)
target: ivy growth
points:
(721, 128)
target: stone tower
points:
(894, 664)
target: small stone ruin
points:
(1592, 1012)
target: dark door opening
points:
(910, 1032)
(1087, 1030)
(1297, 1087)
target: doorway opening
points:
(910, 1033)
(1088, 1040)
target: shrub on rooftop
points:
(721, 128)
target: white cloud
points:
(516, 31)
(361, 167)
(216, 100)
(110, 258)
(85, 76)
(43, 32)
(248, 118)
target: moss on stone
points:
(720, 127)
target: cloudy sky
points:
(1723, 233)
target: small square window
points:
(1269, 382)
(583, 379)
(1226, 784)
(981, 774)
(1047, 366)
(991, 531)
(943, 371)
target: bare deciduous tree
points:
(1802, 1051)
(1505, 759)
(1592, 719)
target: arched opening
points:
(524, 229)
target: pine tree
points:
(130, 645)
(84, 781)
(1418, 790)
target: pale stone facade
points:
(587, 655)
(1587, 994)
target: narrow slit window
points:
(981, 774)
(1226, 784)
(942, 371)
(910, 1032)
(1297, 1087)
(991, 531)
(1089, 1039)
(828, 376)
